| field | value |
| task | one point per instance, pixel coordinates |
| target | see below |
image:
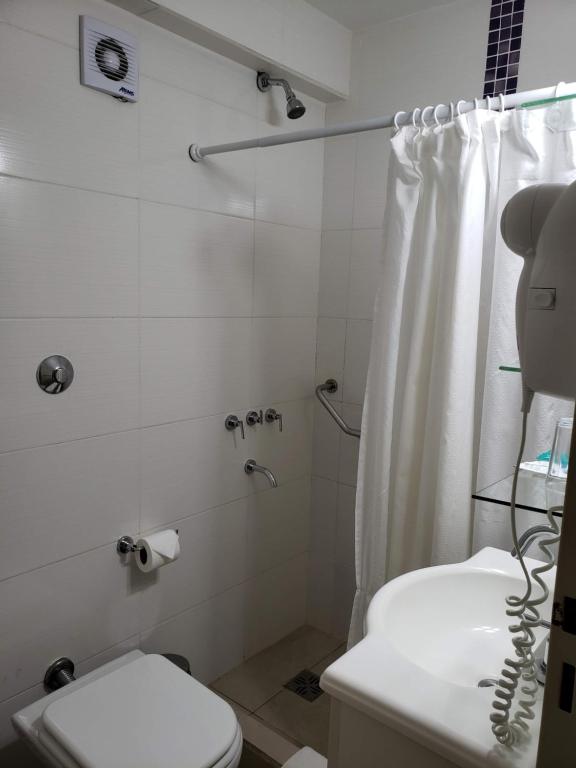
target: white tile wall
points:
(224, 184)
(60, 500)
(334, 272)
(282, 363)
(357, 353)
(287, 262)
(76, 607)
(81, 246)
(104, 395)
(181, 293)
(194, 367)
(97, 149)
(194, 263)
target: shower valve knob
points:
(272, 415)
(232, 422)
(254, 417)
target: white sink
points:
(460, 610)
(432, 636)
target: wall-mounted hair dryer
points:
(539, 224)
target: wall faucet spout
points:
(251, 466)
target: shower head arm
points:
(265, 82)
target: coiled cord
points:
(509, 727)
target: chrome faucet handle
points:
(254, 417)
(272, 415)
(232, 422)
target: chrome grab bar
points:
(331, 386)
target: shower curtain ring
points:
(451, 111)
(435, 114)
(502, 104)
(476, 104)
(423, 115)
(415, 115)
(460, 101)
(396, 116)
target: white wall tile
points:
(287, 261)
(349, 446)
(365, 270)
(190, 466)
(278, 524)
(324, 515)
(345, 589)
(195, 263)
(326, 445)
(213, 558)
(183, 64)
(66, 252)
(339, 169)
(210, 635)
(289, 183)
(38, 138)
(171, 120)
(58, 19)
(275, 604)
(330, 353)
(320, 609)
(357, 355)
(289, 453)
(60, 500)
(334, 273)
(282, 358)
(370, 179)
(345, 525)
(193, 367)
(76, 608)
(104, 394)
(312, 38)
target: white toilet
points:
(139, 711)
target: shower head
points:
(294, 107)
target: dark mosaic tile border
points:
(504, 43)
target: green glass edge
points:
(544, 102)
(511, 368)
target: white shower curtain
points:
(437, 411)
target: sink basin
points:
(432, 636)
(461, 612)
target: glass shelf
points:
(531, 493)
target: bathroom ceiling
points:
(358, 14)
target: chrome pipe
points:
(251, 466)
(331, 386)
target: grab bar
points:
(331, 386)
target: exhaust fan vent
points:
(108, 59)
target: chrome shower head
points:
(294, 107)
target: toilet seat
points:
(142, 711)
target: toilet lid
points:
(146, 714)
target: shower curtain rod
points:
(442, 112)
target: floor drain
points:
(305, 684)
(488, 682)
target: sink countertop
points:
(387, 680)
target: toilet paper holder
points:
(126, 544)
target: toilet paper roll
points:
(157, 550)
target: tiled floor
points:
(267, 711)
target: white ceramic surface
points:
(432, 635)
